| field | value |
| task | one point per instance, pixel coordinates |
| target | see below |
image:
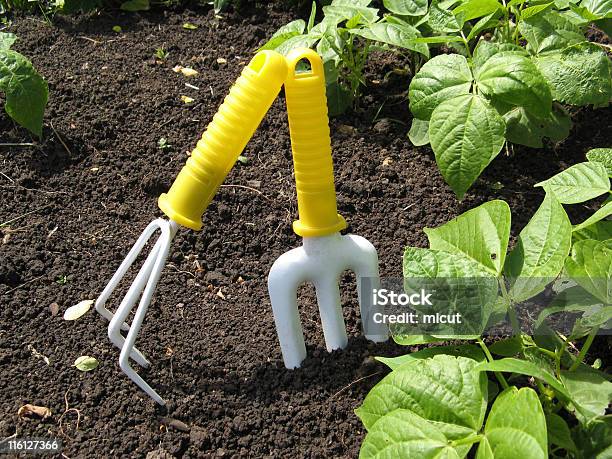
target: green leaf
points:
(487, 49)
(590, 265)
(442, 389)
(524, 128)
(549, 31)
(533, 10)
(590, 390)
(595, 439)
(601, 213)
(441, 19)
(26, 91)
(297, 41)
(293, 29)
(578, 183)
(540, 251)
(419, 132)
(603, 156)
(473, 9)
(578, 75)
(312, 17)
(599, 8)
(514, 79)
(7, 40)
(349, 10)
(407, 7)
(490, 21)
(135, 5)
(573, 299)
(469, 351)
(402, 433)
(220, 5)
(395, 35)
(525, 368)
(516, 427)
(508, 347)
(441, 78)
(599, 231)
(466, 134)
(558, 432)
(411, 340)
(190, 26)
(480, 234)
(86, 363)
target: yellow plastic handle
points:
(311, 146)
(225, 138)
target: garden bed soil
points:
(82, 196)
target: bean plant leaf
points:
(457, 411)
(443, 20)
(26, 91)
(347, 10)
(407, 7)
(549, 31)
(441, 78)
(600, 231)
(524, 367)
(490, 21)
(473, 9)
(539, 254)
(524, 128)
(573, 299)
(558, 432)
(135, 5)
(578, 183)
(514, 79)
(6, 40)
(487, 49)
(516, 427)
(589, 389)
(480, 234)
(598, 8)
(419, 132)
(599, 215)
(578, 75)
(86, 363)
(402, 433)
(466, 134)
(595, 439)
(590, 265)
(397, 35)
(284, 33)
(469, 351)
(603, 156)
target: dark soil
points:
(80, 199)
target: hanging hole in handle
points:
(303, 68)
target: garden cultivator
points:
(184, 204)
(324, 254)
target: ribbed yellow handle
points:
(311, 146)
(225, 138)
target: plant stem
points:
(511, 311)
(490, 358)
(468, 440)
(467, 46)
(585, 349)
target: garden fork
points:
(184, 204)
(325, 254)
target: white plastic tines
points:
(321, 260)
(143, 287)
